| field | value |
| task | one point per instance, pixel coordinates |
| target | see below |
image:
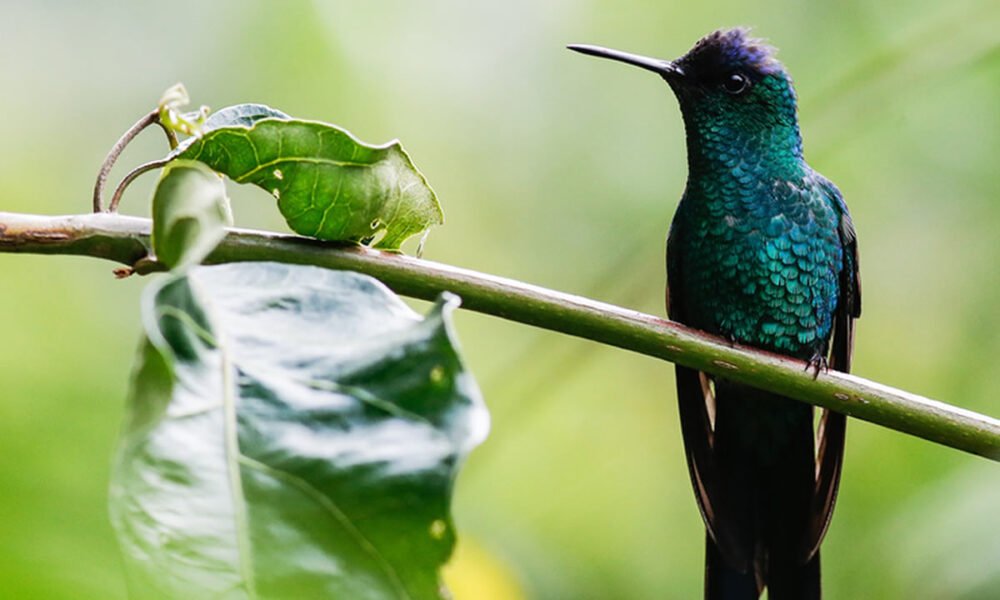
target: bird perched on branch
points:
(761, 251)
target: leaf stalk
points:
(153, 117)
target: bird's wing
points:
(832, 427)
(695, 400)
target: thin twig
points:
(130, 177)
(116, 151)
(126, 239)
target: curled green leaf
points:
(241, 115)
(190, 213)
(327, 183)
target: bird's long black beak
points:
(665, 68)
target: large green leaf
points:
(328, 184)
(293, 432)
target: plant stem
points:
(116, 151)
(171, 136)
(130, 177)
(126, 239)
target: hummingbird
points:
(761, 251)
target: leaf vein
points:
(299, 159)
(331, 206)
(328, 505)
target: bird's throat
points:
(726, 151)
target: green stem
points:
(126, 239)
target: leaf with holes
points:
(328, 184)
(293, 432)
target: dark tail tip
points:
(795, 581)
(723, 582)
(785, 580)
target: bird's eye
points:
(736, 83)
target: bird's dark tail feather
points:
(784, 582)
(764, 453)
(723, 582)
(793, 581)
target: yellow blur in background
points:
(553, 169)
(474, 573)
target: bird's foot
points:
(817, 363)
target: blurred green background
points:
(557, 170)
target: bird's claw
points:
(817, 363)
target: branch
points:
(126, 239)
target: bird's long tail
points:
(763, 449)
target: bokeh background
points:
(558, 170)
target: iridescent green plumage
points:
(761, 251)
(762, 256)
(759, 233)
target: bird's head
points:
(728, 80)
